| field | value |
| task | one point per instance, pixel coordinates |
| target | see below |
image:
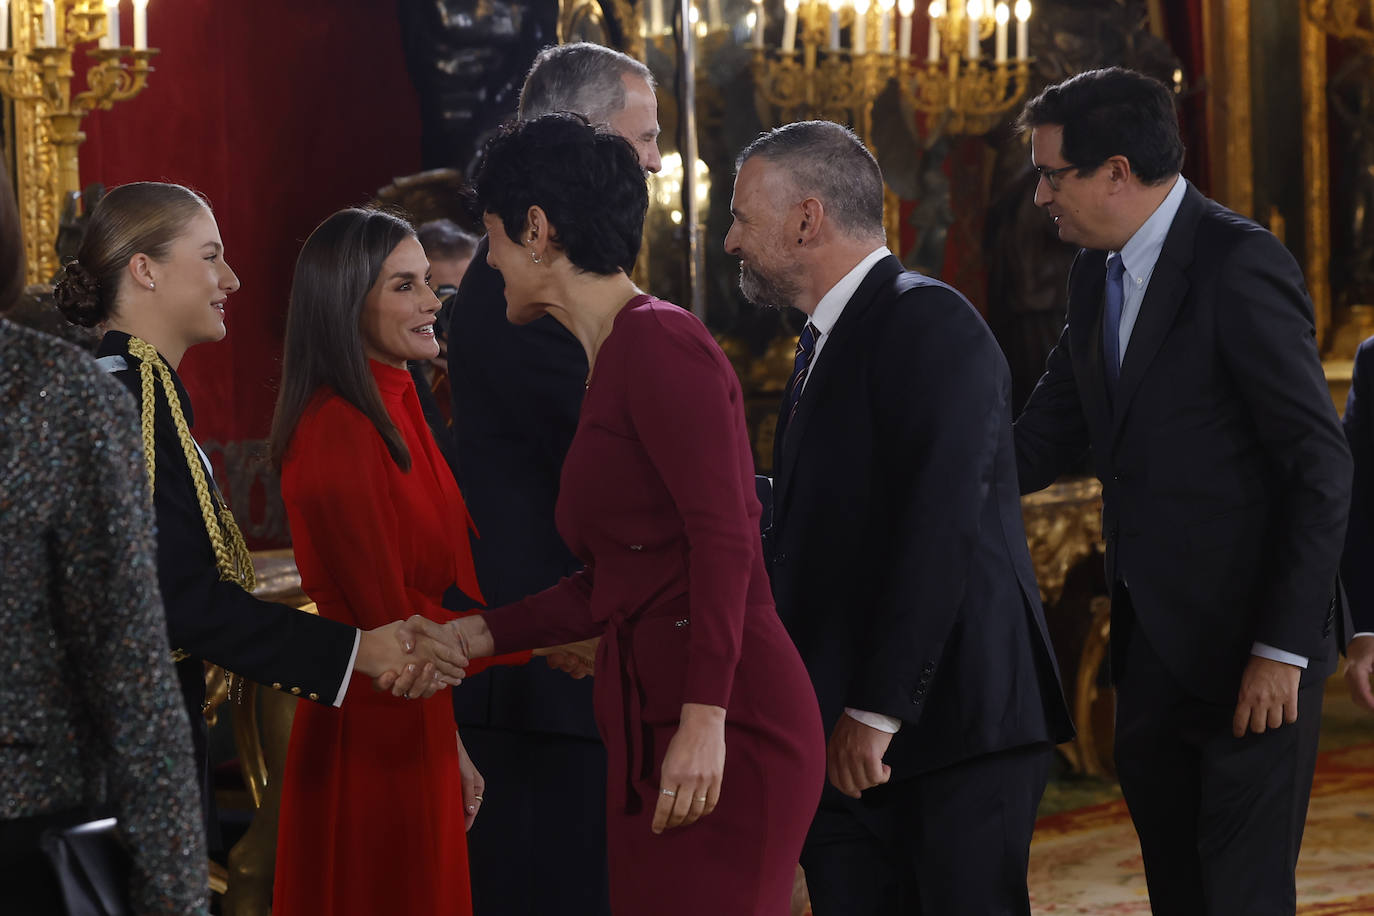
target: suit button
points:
(277, 686)
(780, 559)
(315, 697)
(296, 691)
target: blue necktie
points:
(1111, 323)
(806, 348)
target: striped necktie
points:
(806, 348)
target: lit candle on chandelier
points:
(49, 24)
(885, 25)
(973, 20)
(111, 37)
(758, 24)
(1023, 14)
(835, 24)
(937, 12)
(1003, 16)
(905, 9)
(655, 17)
(859, 38)
(4, 25)
(789, 25)
(140, 25)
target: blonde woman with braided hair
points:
(151, 274)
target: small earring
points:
(799, 241)
(534, 257)
(150, 286)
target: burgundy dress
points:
(657, 498)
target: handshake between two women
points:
(418, 657)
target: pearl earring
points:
(151, 286)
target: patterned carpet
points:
(1087, 861)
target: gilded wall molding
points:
(1316, 167)
(1229, 112)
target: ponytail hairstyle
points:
(144, 217)
(337, 267)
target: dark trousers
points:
(538, 845)
(1220, 818)
(955, 842)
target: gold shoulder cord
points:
(231, 552)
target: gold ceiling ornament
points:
(958, 82)
(1352, 20)
(37, 41)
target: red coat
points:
(372, 811)
(657, 498)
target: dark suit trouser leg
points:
(955, 841)
(539, 843)
(1219, 818)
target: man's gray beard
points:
(767, 291)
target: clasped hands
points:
(418, 657)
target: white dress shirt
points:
(1138, 258)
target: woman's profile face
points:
(397, 323)
(194, 281)
(522, 275)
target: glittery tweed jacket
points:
(90, 713)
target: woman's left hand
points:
(474, 786)
(689, 784)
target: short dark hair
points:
(583, 78)
(829, 162)
(587, 180)
(442, 239)
(1112, 112)
(336, 269)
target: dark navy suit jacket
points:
(1357, 567)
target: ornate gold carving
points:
(1227, 27)
(1063, 527)
(47, 117)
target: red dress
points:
(657, 498)
(372, 809)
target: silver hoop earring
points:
(535, 258)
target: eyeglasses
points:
(1052, 175)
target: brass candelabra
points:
(956, 83)
(36, 73)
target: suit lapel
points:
(834, 358)
(1168, 287)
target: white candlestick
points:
(885, 31)
(655, 17)
(1003, 14)
(110, 39)
(140, 25)
(789, 26)
(834, 30)
(1023, 14)
(4, 25)
(758, 24)
(49, 24)
(904, 10)
(714, 19)
(859, 33)
(973, 19)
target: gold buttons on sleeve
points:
(277, 686)
(315, 697)
(296, 691)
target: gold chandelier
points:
(37, 41)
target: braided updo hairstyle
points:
(144, 217)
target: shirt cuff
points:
(1358, 635)
(348, 672)
(1264, 650)
(875, 720)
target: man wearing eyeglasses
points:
(1188, 368)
